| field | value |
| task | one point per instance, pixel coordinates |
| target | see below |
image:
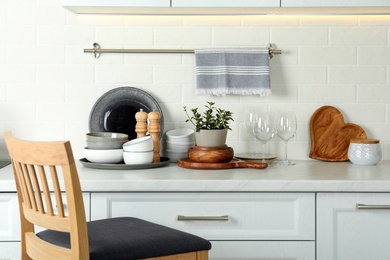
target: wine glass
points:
(250, 124)
(286, 128)
(264, 130)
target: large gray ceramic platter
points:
(115, 111)
(121, 166)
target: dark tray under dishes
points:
(115, 111)
(121, 166)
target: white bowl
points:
(177, 150)
(140, 144)
(103, 156)
(138, 157)
(176, 155)
(181, 134)
(178, 146)
(106, 136)
(105, 144)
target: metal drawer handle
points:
(364, 206)
(203, 218)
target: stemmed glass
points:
(250, 125)
(264, 130)
(286, 128)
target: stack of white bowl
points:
(105, 147)
(138, 151)
(177, 142)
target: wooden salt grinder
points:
(141, 126)
(154, 131)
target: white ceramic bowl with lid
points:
(364, 151)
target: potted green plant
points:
(211, 126)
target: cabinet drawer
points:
(9, 217)
(10, 251)
(345, 232)
(255, 250)
(245, 216)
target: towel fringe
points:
(263, 92)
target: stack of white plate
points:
(177, 142)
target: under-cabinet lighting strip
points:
(96, 50)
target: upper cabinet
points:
(225, 3)
(334, 7)
(334, 3)
(223, 6)
(182, 7)
(243, 7)
(115, 6)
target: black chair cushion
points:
(131, 238)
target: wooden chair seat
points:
(41, 169)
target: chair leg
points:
(202, 255)
(199, 255)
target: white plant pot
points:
(211, 138)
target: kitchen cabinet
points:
(204, 7)
(117, 3)
(9, 217)
(225, 3)
(10, 251)
(116, 6)
(276, 224)
(182, 7)
(10, 224)
(334, 3)
(346, 232)
(307, 211)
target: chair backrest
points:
(41, 169)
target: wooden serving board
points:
(330, 135)
(186, 163)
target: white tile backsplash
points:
(357, 74)
(358, 36)
(48, 85)
(327, 55)
(177, 36)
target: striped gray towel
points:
(233, 71)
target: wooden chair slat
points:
(37, 189)
(46, 191)
(29, 188)
(22, 184)
(57, 191)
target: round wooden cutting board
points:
(186, 163)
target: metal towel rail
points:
(96, 50)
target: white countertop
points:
(305, 176)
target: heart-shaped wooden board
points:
(330, 135)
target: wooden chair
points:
(41, 169)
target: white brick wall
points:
(48, 85)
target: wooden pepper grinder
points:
(154, 131)
(141, 126)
